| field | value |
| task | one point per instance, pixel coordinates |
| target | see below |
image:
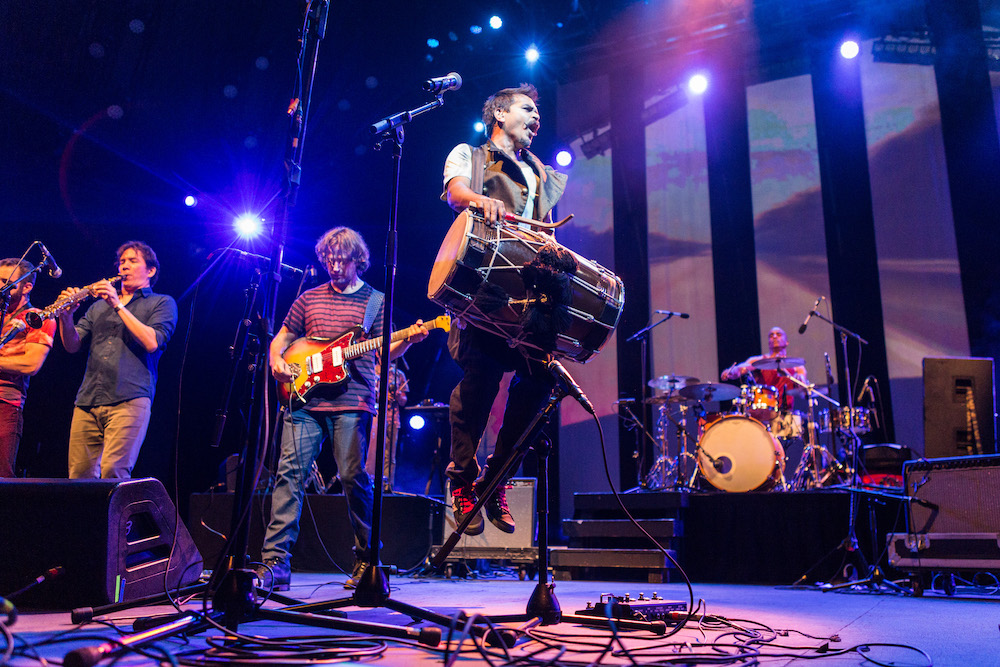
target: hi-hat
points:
(671, 382)
(778, 362)
(710, 391)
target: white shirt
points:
(459, 163)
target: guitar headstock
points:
(443, 322)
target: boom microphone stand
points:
(542, 604)
(642, 335)
(873, 578)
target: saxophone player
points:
(20, 357)
(126, 332)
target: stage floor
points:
(958, 630)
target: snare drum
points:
(759, 401)
(737, 453)
(839, 419)
(477, 276)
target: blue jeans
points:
(104, 440)
(301, 439)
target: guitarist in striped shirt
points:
(341, 414)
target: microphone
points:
(50, 573)
(49, 262)
(802, 329)
(571, 386)
(288, 267)
(15, 328)
(671, 313)
(864, 387)
(829, 370)
(440, 84)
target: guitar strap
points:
(371, 310)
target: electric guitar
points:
(319, 362)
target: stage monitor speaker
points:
(948, 429)
(954, 495)
(114, 541)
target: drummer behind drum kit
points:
(742, 449)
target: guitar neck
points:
(365, 346)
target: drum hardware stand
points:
(814, 455)
(542, 606)
(642, 335)
(665, 467)
(683, 454)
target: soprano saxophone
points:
(35, 320)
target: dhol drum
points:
(759, 401)
(839, 419)
(738, 454)
(477, 276)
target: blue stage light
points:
(417, 422)
(496, 22)
(564, 158)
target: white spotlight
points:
(532, 55)
(698, 84)
(849, 49)
(248, 225)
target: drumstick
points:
(510, 217)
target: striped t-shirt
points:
(322, 312)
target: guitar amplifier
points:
(953, 515)
(521, 500)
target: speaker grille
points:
(954, 495)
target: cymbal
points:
(778, 362)
(710, 391)
(671, 382)
(666, 398)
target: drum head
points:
(451, 249)
(738, 454)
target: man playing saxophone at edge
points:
(20, 358)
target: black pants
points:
(485, 357)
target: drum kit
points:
(744, 448)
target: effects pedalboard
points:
(642, 608)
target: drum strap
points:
(478, 169)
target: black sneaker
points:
(275, 574)
(359, 569)
(463, 499)
(498, 512)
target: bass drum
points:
(738, 454)
(480, 259)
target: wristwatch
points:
(119, 307)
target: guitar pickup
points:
(314, 363)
